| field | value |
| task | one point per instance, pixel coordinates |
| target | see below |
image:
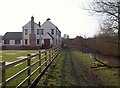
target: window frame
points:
(26, 41)
(42, 31)
(26, 31)
(17, 42)
(38, 31)
(38, 41)
(52, 31)
(6, 41)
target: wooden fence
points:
(43, 61)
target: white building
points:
(34, 35)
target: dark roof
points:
(12, 35)
(50, 35)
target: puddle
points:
(21, 51)
(112, 61)
(21, 57)
(33, 53)
(10, 53)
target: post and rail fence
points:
(43, 61)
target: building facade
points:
(34, 35)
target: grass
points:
(79, 73)
(108, 76)
(66, 72)
(53, 75)
(10, 56)
(63, 73)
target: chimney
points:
(32, 24)
(32, 18)
(39, 24)
(48, 19)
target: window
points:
(26, 31)
(6, 41)
(38, 31)
(52, 31)
(38, 41)
(59, 34)
(56, 32)
(42, 31)
(26, 41)
(17, 41)
(56, 41)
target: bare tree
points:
(110, 9)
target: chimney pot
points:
(39, 23)
(32, 18)
(48, 18)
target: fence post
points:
(46, 57)
(50, 55)
(2, 74)
(39, 61)
(28, 64)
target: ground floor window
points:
(38, 41)
(26, 41)
(17, 41)
(6, 41)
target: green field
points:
(12, 55)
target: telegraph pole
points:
(119, 30)
(119, 20)
(118, 38)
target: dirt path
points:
(69, 71)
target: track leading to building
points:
(73, 68)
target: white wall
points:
(46, 36)
(47, 26)
(28, 26)
(12, 42)
(2, 42)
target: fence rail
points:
(48, 57)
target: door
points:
(46, 43)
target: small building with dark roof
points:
(12, 38)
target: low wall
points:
(20, 48)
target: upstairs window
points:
(52, 31)
(56, 32)
(59, 34)
(42, 31)
(26, 31)
(38, 31)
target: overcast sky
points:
(65, 14)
